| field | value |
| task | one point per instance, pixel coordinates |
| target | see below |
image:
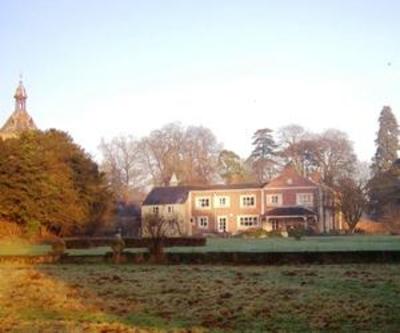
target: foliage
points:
(384, 194)
(263, 156)
(32, 228)
(383, 188)
(352, 201)
(45, 177)
(297, 232)
(387, 142)
(58, 246)
(258, 233)
(231, 168)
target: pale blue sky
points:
(103, 68)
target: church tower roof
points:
(19, 121)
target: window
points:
(202, 222)
(248, 221)
(247, 200)
(274, 199)
(203, 202)
(222, 223)
(222, 201)
(156, 210)
(170, 209)
(304, 199)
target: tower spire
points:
(19, 121)
(20, 96)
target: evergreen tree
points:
(387, 142)
(263, 156)
(387, 145)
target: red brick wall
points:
(231, 212)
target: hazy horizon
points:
(98, 69)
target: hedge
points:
(223, 258)
(90, 242)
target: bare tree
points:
(200, 155)
(352, 201)
(294, 146)
(329, 154)
(161, 152)
(191, 153)
(123, 166)
(157, 227)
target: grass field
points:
(327, 243)
(106, 298)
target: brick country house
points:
(287, 200)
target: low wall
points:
(223, 258)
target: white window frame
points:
(270, 202)
(242, 197)
(201, 220)
(300, 202)
(226, 222)
(155, 210)
(217, 201)
(242, 226)
(170, 209)
(199, 206)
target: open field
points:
(106, 298)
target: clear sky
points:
(99, 68)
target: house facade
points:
(287, 200)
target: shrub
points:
(253, 233)
(117, 246)
(32, 228)
(58, 246)
(10, 230)
(275, 233)
(297, 232)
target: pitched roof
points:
(179, 194)
(290, 211)
(167, 195)
(289, 177)
(239, 186)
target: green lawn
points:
(327, 243)
(19, 248)
(109, 298)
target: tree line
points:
(49, 182)
(196, 157)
